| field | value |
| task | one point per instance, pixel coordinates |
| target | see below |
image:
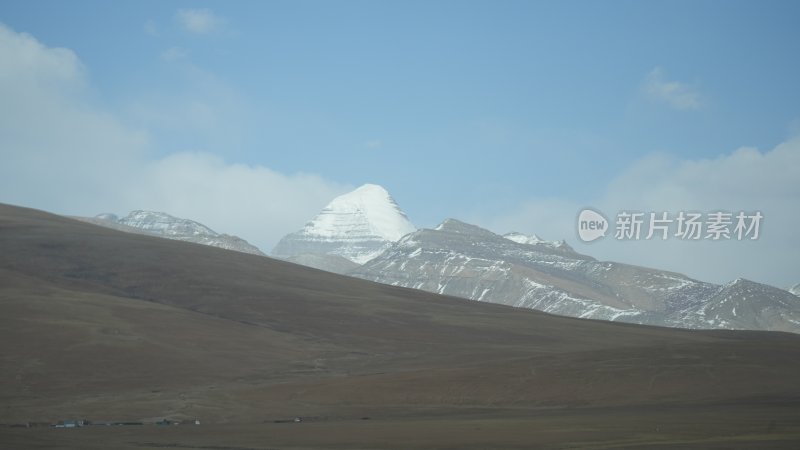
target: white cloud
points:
(745, 180)
(199, 21)
(63, 154)
(52, 139)
(28, 63)
(255, 202)
(677, 95)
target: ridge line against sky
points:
(250, 117)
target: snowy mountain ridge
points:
(166, 225)
(467, 261)
(170, 227)
(464, 260)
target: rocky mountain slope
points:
(356, 226)
(171, 227)
(466, 261)
(744, 304)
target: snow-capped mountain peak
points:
(370, 207)
(357, 226)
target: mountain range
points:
(464, 260)
(365, 234)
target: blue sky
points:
(487, 111)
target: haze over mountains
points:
(104, 325)
(467, 261)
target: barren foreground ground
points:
(100, 325)
(723, 427)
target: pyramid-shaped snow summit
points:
(357, 226)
